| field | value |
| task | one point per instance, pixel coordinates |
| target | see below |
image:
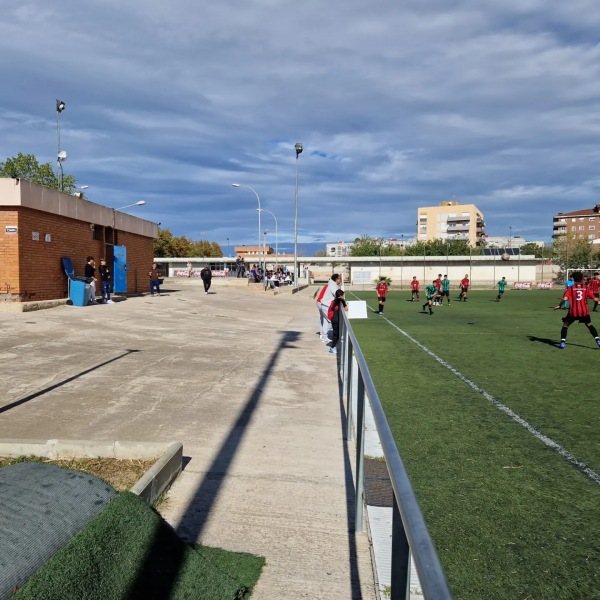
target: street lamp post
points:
(299, 148)
(237, 185)
(61, 155)
(276, 239)
(115, 210)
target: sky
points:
(398, 104)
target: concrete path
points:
(242, 380)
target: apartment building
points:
(581, 224)
(339, 249)
(451, 220)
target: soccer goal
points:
(589, 273)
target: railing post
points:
(400, 557)
(352, 391)
(360, 454)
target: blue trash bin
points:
(79, 292)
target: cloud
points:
(398, 105)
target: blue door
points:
(120, 267)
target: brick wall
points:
(32, 269)
(9, 256)
(140, 255)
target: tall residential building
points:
(581, 224)
(451, 220)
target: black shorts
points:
(445, 294)
(381, 299)
(464, 290)
(571, 319)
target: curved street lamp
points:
(276, 236)
(299, 148)
(237, 185)
(115, 210)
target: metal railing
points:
(409, 531)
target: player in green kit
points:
(445, 290)
(432, 292)
(501, 288)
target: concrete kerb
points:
(151, 485)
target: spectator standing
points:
(333, 285)
(189, 269)
(206, 276)
(154, 275)
(319, 298)
(333, 314)
(90, 275)
(105, 281)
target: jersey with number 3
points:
(578, 297)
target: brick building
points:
(581, 224)
(38, 226)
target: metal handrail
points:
(409, 531)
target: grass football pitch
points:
(499, 431)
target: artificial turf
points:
(510, 517)
(129, 552)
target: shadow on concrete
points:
(355, 586)
(199, 507)
(16, 403)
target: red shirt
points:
(414, 284)
(464, 283)
(578, 295)
(594, 286)
(438, 283)
(382, 289)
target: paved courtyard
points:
(242, 380)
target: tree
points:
(166, 245)
(531, 248)
(27, 167)
(573, 254)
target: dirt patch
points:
(120, 474)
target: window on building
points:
(591, 236)
(592, 218)
(581, 237)
(582, 228)
(592, 228)
(573, 228)
(581, 218)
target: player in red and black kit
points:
(438, 284)
(577, 296)
(414, 286)
(381, 290)
(464, 288)
(594, 287)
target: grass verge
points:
(129, 552)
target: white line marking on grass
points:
(595, 477)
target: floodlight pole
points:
(237, 185)
(299, 148)
(60, 106)
(276, 240)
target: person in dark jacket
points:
(105, 281)
(333, 314)
(206, 276)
